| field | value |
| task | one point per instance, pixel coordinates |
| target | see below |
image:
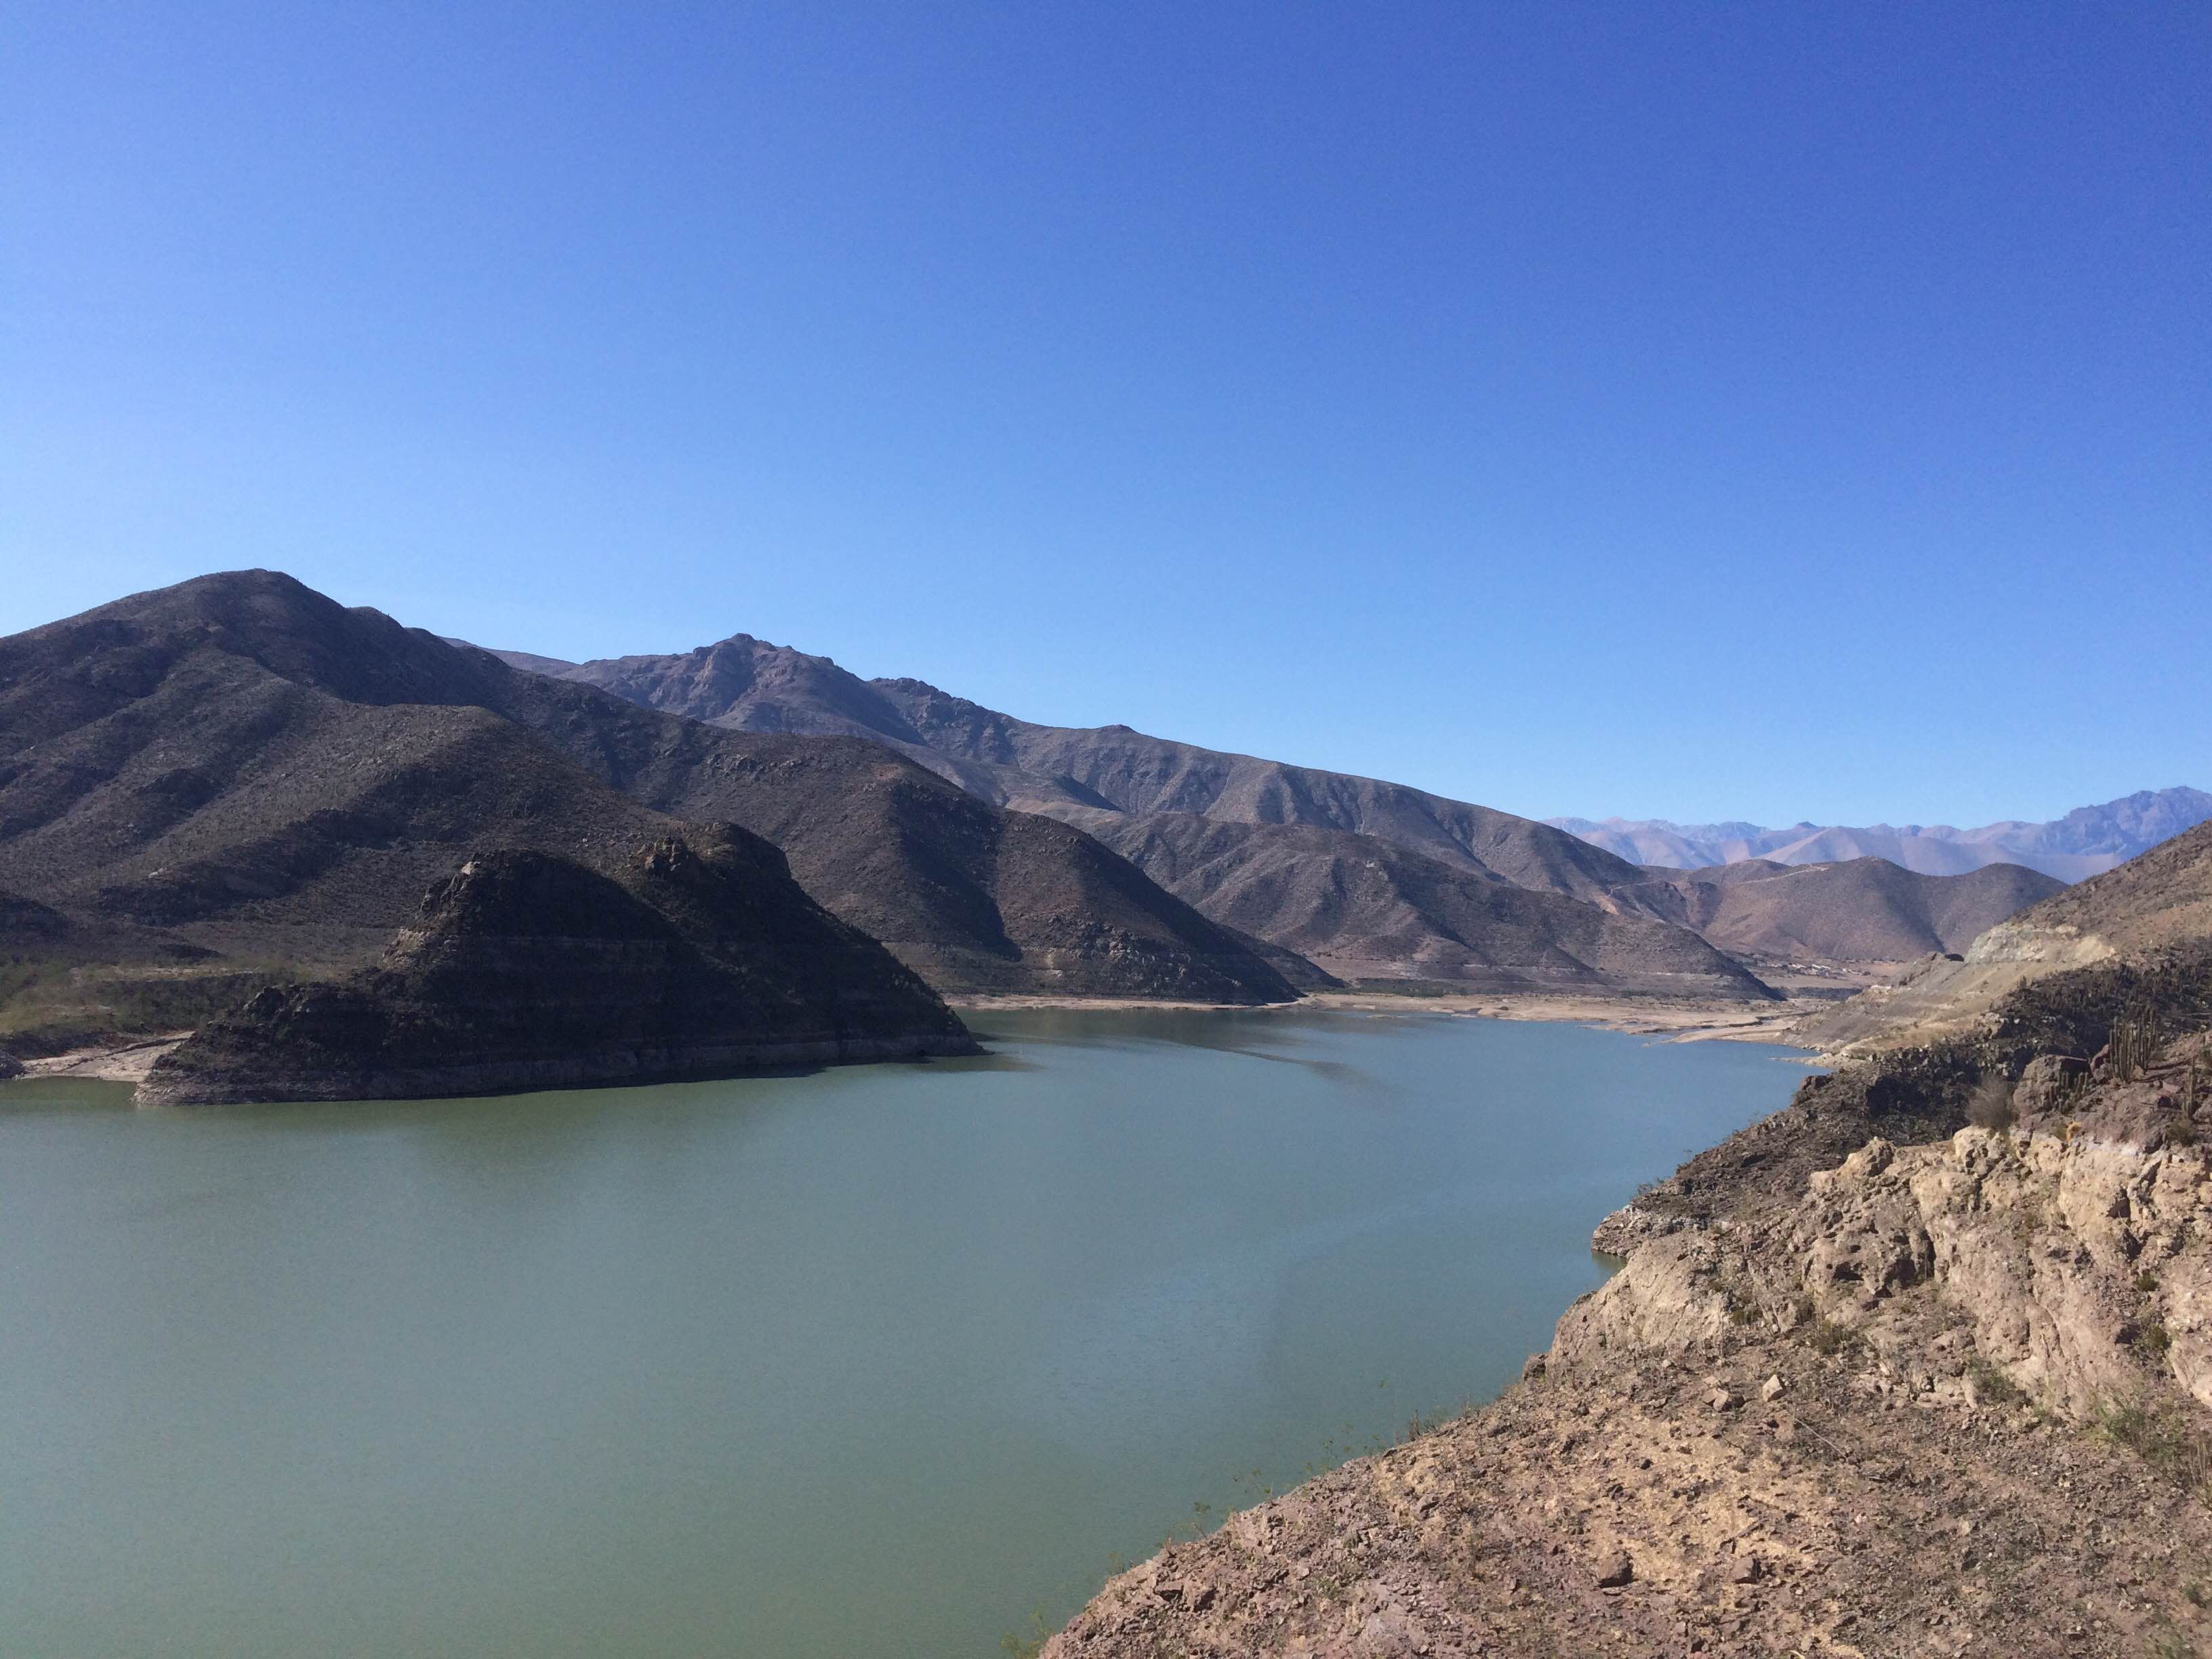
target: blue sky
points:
(1697, 411)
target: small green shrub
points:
(1991, 1386)
(2163, 1438)
(1828, 1337)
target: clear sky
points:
(1762, 411)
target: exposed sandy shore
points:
(992, 1003)
(1687, 1021)
(1678, 1021)
(126, 1062)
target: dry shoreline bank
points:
(120, 1062)
(1674, 1021)
(1684, 1021)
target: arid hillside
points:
(1365, 909)
(1368, 879)
(1867, 910)
(238, 772)
(2156, 901)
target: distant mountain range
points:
(1364, 878)
(236, 780)
(2085, 842)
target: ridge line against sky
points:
(1789, 415)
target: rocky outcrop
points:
(528, 971)
(1872, 1379)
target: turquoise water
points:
(882, 1361)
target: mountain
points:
(1363, 908)
(699, 956)
(2085, 842)
(1862, 910)
(742, 683)
(2158, 902)
(1376, 878)
(238, 765)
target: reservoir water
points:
(891, 1360)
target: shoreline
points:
(116, 1062)
(1671, 1020)
(1869, 1379)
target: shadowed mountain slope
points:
(699, 956)
(1378, 879)
(2086, 840)
(1867, 910)
(243, 763)
(1363, 908)
(744, 684)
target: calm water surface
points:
(884, 1361)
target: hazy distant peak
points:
(2084, 842)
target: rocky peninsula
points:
(699, 956)
(1920, 1364)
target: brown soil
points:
(1845, 1515)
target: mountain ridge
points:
(1109, 781)
(1355, 905)
(2084, 842)
(239, 766)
